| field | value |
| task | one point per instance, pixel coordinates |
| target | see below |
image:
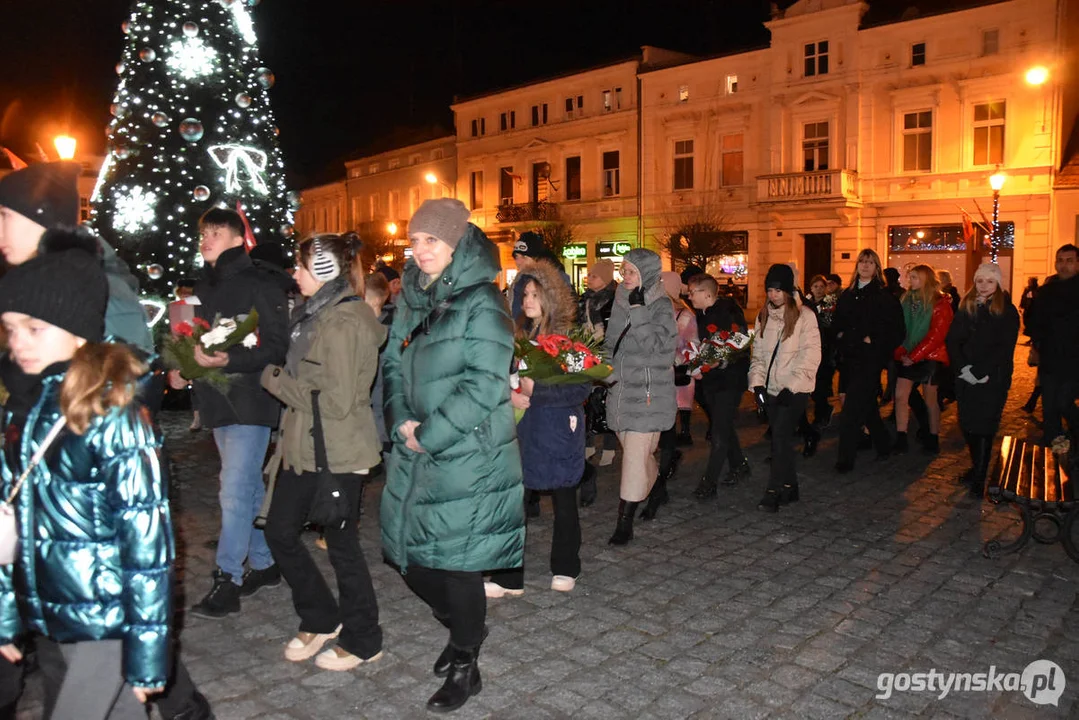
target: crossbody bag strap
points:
(321, 461)
(54, 431)
(424, 326)
(618, 342)
(775, 351)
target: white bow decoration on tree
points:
(231, 157)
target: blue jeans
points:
(242, 449)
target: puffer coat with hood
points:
(552, 431)
(459, 505)
(643, 397)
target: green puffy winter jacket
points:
(459, 504)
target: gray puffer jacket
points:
(643, 397)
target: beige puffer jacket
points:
(795, 366)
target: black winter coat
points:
(595, 307)
(725, 314)
(986, 342)
(232, 287)
(1053, 325)
(871, 312)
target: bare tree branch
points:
(699, 235)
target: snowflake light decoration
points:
(134, 210)
(191, 58)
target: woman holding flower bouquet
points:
(333, 349)
(640, 342)
(551, 433)
(453, 505)
(783, 372)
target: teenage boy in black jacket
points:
(241, 420)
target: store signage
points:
(614, 249)
(575, 252)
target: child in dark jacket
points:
(81, 469)
(551, 435)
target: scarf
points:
(917, 318)
(305, 317)
(23, 392)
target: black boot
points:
(770, 501)
(462, 682)
(738, 473)
(983, 445)
(706, 489)
(442, 664)
(667, 473)
(587, 487)
(811, 437)
(788, 493)
(684, 438)
(197, 709)
(623, 531)
(901, 445)
(656, 498)
(1032, 403)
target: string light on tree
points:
(192, 129)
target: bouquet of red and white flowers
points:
(179, 350)
(719, 349)
(562, 359)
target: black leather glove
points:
(760, 396)
(636, 296)
(784, 397)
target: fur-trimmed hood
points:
(555, 294)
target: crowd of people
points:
(414, 375)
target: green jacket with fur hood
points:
(341, 363)
(459, 504)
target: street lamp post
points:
(433, 179)
(996, 181)
(65, 146)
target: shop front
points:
(946, 247)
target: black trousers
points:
(784, 419)
(357, 609)
(1058, 404)
(457, 600)
(668, 446)
(860, 408)
(722, 408)
(565, 542)
(822, 392)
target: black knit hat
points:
(64, 285)
(691, 271)
(780, 277)
(529, 244)
(47, 193)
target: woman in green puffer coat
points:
(453, 502)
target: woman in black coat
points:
(981, 342)
(868, 326)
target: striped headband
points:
(323, 265)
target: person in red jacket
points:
(923, 357)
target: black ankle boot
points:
(788, 493)
(983, 447)
(900, 446)
(656, 498)
(623, 531)
(442, 664)
(684, 438)
(666, 473)
(706, 489)
(462, 682)
(588, 485)
(811, 440)
(770, 502)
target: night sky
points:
(351, 73)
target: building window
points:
(393, 163)
(414, 201)
(990, 42)
(917, 54)
(989, 133)
(475, 128)
(618, 98)
(483, 126)
(815, 146)
(580, 105)
(732, 173)
(475, 189)
(683, 93)
(505, 186)
(394, 204)
(504, 122)
(436, 154)
(816, 58)
(372, 168)
(732, 84)
(372, 208)
(573, 178)
(414, 158)
(918, 141)
(569, 108)
(612, 182)
(509, 120)
(683, 165)
(535, 115)
(608, 101)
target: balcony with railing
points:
(542, 211)
(820, 185)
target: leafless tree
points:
(699, 235)
(557, 235)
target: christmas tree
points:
(192, 129)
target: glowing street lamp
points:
(433, 179)
(996, 181)
(65, 146)
(1037, 75)
(391, 228)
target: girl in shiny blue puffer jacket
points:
(92, 576)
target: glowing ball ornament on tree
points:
(192, 128)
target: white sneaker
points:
(305, 644)
(337, 659)
(589, 451)
(563, 583)
(606, 457)
(494, 590)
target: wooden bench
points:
(1029, 478)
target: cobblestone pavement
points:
(714, 610)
